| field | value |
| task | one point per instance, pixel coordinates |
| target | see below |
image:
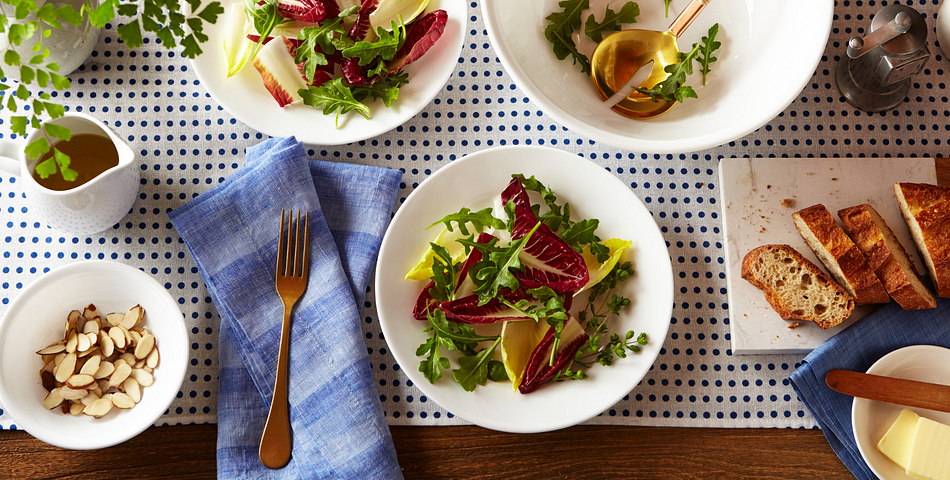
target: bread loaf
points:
(887, 257)
(926, 210)
(795, 287)
(840, 255)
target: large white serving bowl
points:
(770, 50)
(36, 318)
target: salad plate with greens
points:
(330, 72)
(524, 289)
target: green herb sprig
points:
(672, 89)
(612, 21)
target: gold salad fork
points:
(292, 269)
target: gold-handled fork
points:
(292, 268)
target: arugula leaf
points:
(479, 220)
(667, 2)
(709, 45)
(473, 369)
(444, 272)
(386, 88)
(334, 96)
(384, 48)
(432, 366)
(496, 371)
(672, 89)
(612, 21)
(318, 42)
(561, 28)
(494, 271)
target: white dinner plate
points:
(244, 96)
(870, 419)
(473, 181)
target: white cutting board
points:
(753, 191)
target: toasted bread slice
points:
(926, 210)
(796, 288)
(840, 255)
(887, 257)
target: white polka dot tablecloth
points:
(187, 143)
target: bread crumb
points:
(810, 173)
(834, 179)
(787, 203)
(768, 186)
(794, 325)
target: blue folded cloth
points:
(339, 429)
(857, 348)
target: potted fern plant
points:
(44, 40)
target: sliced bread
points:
(926, 210)
(795, 287)
(840, 255)
(887, 257)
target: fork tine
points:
(281, 259)
(288, 258)
(306, 245)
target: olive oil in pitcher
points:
(89, 156)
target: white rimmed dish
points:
(769, 52)
(244, 96)
(473, 181)
(36, 318)
(870, 419)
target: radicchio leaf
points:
(358, 30)
(467, 309)
(353, 73)
(420, 37)
(548, 260)
(308, 10)
(539, 371)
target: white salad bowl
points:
(36, 318)
(769, 52)
(473, 181)
(244, 96)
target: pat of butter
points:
(896, 443)
(930, 452)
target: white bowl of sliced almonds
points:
(91, 354)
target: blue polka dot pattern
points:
(187, 143)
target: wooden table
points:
(470, 451)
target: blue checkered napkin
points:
(339, 429)
(857, 348)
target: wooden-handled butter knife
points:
(909, 393)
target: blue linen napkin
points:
(339, 429)
(857, 348)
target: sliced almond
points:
(98, 408)
(153, 358)
(89, 398)
(136, 338)
(76, 408)
(48, 380)
(93, 350)
(66, 368)
(144, 378)
(122, 371)
(92, 326)
(115, 319)
(81, 381)
(91, 366)
(103, 385)
(82, 342)
(71, 321)
(128, 357)
(72, 393)
(59, 358)
(53, 348)
(144, 346)
(106, 344)
(72, 341)
(118, 337)
(90, 311)
(122, 400)
(132, 388)
(53, 399)
(105, 370)
(133, 318)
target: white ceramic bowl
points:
(36, 318)
(870, 419)
(770, 50)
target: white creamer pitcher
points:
(89, 208)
